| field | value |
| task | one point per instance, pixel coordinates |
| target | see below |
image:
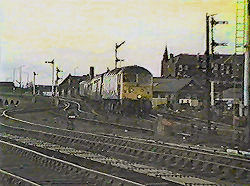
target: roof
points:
(44, 88)
(169, 84)
(228, 59)
(76, 78)
(189, 59)
(134, 68)
(6, 83)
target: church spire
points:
(164, 62)
(165, 55)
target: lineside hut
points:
(44, 90)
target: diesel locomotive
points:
(125, 89)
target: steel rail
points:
(136, 167)
(133, 143)
(70, 164)
(152, 154)
(11, 178)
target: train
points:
(127, 89)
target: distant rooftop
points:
(169, 84)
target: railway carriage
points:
(121, 89)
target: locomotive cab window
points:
(129, 77)
(144, 78)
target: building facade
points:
(69, 87)
(176, 91)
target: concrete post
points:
(212, 93)
(53, 81)
(160, 127)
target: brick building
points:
(70, 85)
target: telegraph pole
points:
(116, 58)
(246, 77)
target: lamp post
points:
(53, 66)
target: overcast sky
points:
(83, 33)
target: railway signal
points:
(57, 78)
(53, 67)
(34, 83)
(210, 20)
(213, 23)
(116, 58)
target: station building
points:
(69, 87)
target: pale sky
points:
(83, 33)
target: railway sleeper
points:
(242, 174)
(228, 173)
(207, 167)
(197, 166)
(187, 164)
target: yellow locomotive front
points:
(136, 88)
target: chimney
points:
(198, 57)
(91, 72)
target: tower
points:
(164, 63)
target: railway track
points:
(77, 172)
(172, 157)
(135, 167)
(101, 122)
(8, 178)
(197, 121)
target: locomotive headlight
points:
(131, 90)
(139, 96)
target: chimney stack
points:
(91, 72)
(198, 57)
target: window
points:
(144, 78)
(186, 67)
(215, 66)
(129, 77)
(180, 67)
(222, 67)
